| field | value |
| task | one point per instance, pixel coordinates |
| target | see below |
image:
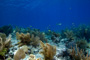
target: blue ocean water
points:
(45, 14)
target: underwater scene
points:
(44, 29)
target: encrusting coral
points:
(48, 51)
(19, 54)
(25, 48)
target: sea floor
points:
(60, 48)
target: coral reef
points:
(82, 44)
(41, 35)
(79, 55)
(25, 48)
(82, 31)
(35, 40)
(48, 51)
(32, 57)
(6, 29)
(35, 32)
(69, 35)
(19, 54)
(26, 39)
(38, 44)
(4, 44)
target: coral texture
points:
(20, 54)
(69, 34)
(35, 40)
(79, 55)
(48, 51)
(32, 57)
(24, 38)
(4, 43)
(6, 29)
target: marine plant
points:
(35, 40)
(79, 54)
(41, 35)
(4, 44)
(69, 34)
(24, 38)
(48, 51)
(27, 39)
(82, 43)
(56, 34)
(6, 29)
(82, 31)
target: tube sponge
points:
(48, 51)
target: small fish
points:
(70, 8)
(49, 25)
(59, 24)
(30, 26)
(49, 30)
(73, 24)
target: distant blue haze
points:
(42, 13)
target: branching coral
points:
(26, 39)
(1, 44)
(82, 31)
(3, 36)
(69, 34)
(82, 43)
(6, 29)
(35, 40)
(36, 32)
(4, 44)
(79, 55)
(48, 51)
